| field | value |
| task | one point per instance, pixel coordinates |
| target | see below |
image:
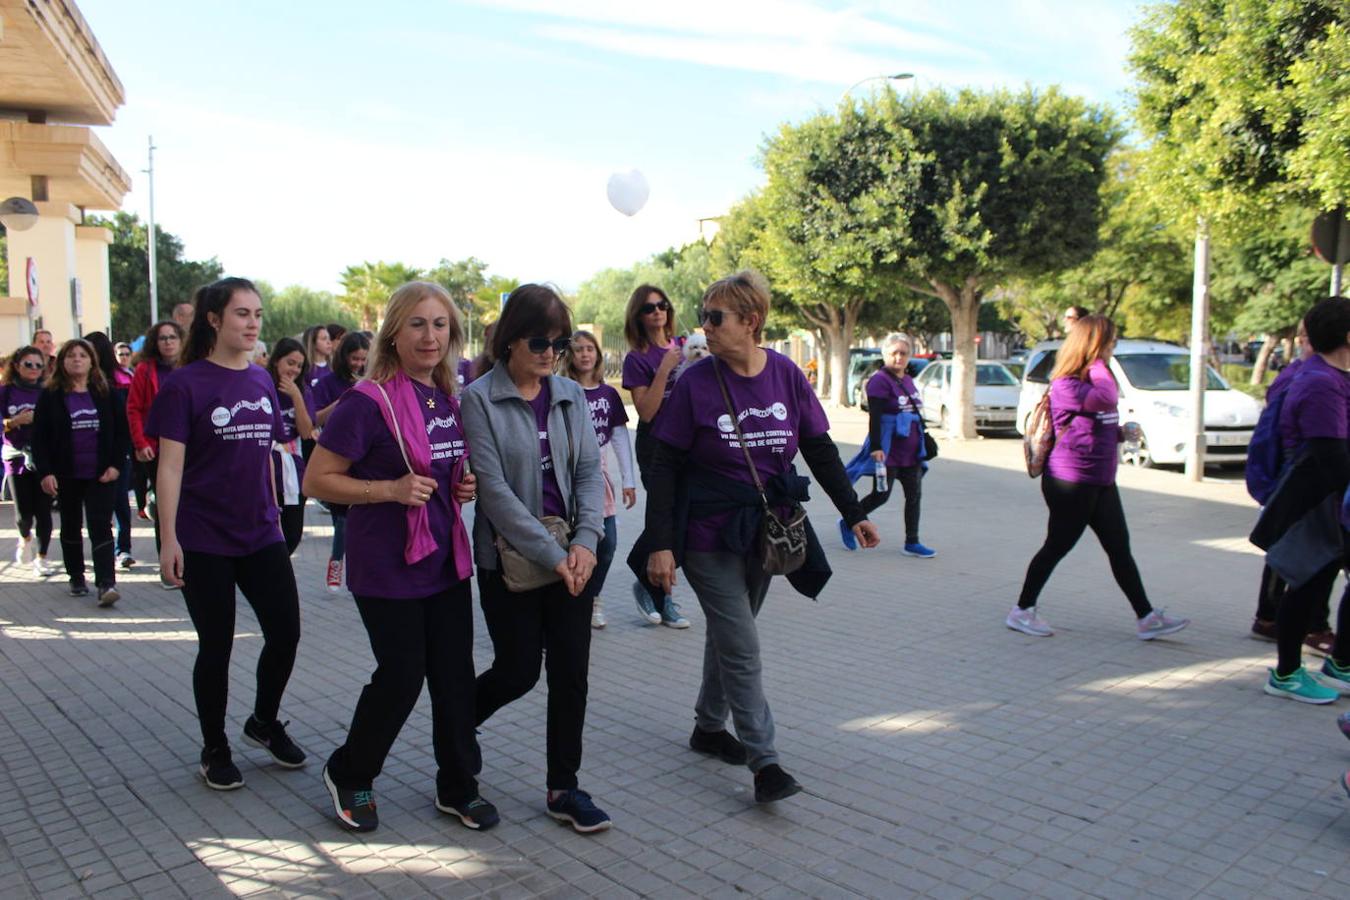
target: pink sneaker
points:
(334, 578)
(1028, 622)
(1157, 624)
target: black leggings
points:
(1273, 590)
(1299, 606)
(32, 506)
(150, 471)
(549, 626)
(293, 524)
(911, 479)
(644, 445)
(414, 641)
(268, 584)
(87, 498)
(1073, 507)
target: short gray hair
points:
(895, 339)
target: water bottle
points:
(879, 476)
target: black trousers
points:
(32, 507)
(1273, 590)
(88, 499)
(1075, 507)
(644, 445)
(293, 525)
(1301, 606)
(429, 640)
(268, 584)
(149, 471)
(548, 626)
(911, 480)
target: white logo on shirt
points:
(777, 411)
(220, 416)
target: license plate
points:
(1228, 438)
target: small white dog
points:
(695, 348)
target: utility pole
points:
(1195, 460)
(154, 288)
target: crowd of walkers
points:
(395, 434)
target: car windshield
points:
(1164, 372)
(993, 375)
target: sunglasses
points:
(713, 317)
(647, 309)
(29, 364)
(542, 344)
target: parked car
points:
(1154, 379)
(996, 392)
(861, 367)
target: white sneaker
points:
(1157, 624)
(1028, 622)
(598, 619)
(42, 568)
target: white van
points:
(1154, 378)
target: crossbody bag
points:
(520, 573)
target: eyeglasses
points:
(647, 309)
(29, 364)
(165, 338)
(713, 317)
(542, 344)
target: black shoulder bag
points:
(782, 544)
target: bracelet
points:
(367, 490)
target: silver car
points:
(996, 390)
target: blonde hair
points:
(384, 361)
(568, 362)
(746, 292)
(1089, 340)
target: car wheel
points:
(1136, 453)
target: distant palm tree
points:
(366, 288)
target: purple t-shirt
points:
(1087, 450)
(377, 532)
(83, 434)
(1317, 405)
(776, 409)
(607, 412)
(327, 390)
(316, 373)
(464, 371)
(14, 399)
(895, 397)
(639, 369)
(1282, 381)
(227, 419)
(291, 432)
(553, 500)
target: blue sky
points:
(299, 137)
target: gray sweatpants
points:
(731, 593)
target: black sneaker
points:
(274, 740)
(477, 813)
(354, 809)
(79, 588)
(718, 743)
(772, 783)
(107, 596)
(576, 807)
(219, 771)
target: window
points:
(1038, 372)
(1165, 372)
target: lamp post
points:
(150, 235)
(898, 76)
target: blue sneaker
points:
(645, 604)
(576, 808)
(1343, 722)
(920, 551)
(1300, 686)
(1334, 676)
(846, 535)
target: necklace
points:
(430, 401)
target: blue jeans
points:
(604, 555)
(122, 507)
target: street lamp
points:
(18, 214)
(898, 76)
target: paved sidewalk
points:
(942, 754)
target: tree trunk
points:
(964, 306)
(1263, 358)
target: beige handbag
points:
(520, 574)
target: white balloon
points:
(628, 191)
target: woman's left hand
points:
(580, 562)
(109, 474)
(629, 498)
(867, 534)
(467, 489)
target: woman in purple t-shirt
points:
(698, 441)
(584, 364)
(32, 508)
(289, 370)
(648, 375)
(349, 364)
(79, 441)
(1079, 484)
(536, 456)
(216, 417)
(394, 451)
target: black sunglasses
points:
(647, 309)
(28, 364)
(541, 344)
(713, 317)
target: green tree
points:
(683, 273)
(366, 288)
(289, 312)
(129, 274)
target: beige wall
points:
(91, 267)
(63, 251)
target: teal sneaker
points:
(1334, 676)
(1300, 686)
